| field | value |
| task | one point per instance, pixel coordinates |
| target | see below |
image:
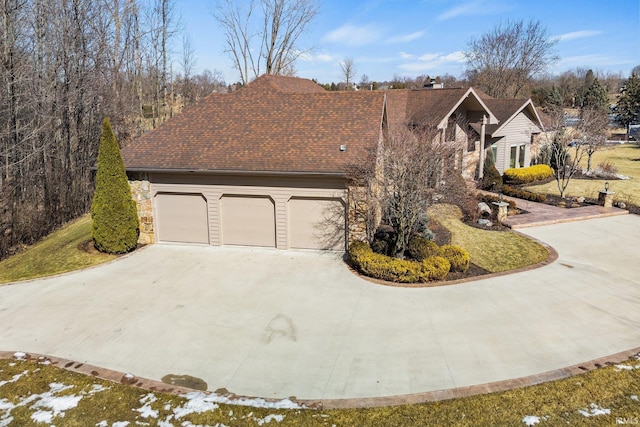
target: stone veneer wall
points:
(141, 193)
(358, 210)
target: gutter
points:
(237, 172)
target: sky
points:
(412, 38)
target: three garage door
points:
(309, 222)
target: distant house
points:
(265, 165)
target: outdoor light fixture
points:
(606, 186)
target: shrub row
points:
(421, 249)
(523, 194)
(527, 175)
(383, 267)
(488, 199)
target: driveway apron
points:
(277, 324)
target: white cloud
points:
(354, 35)
(316, 57)
(476, 7)
(405, 55)
(406, 37)
(469, 8)
(433, 61)
(577, 35)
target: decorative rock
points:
(621, 205)
(485, 222)
(580, 199)
(484, 208)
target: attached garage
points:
(182, 218)
(248, 221)
(316, 223)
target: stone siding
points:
(141, 193)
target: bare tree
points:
(593, 128)
(187, 63)
(399, 181)
(262, 35)
(348, 71)
(504, 61)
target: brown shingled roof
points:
(505, 108)
(274, 124)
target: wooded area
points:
(65, 65)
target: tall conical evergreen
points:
(115, 219)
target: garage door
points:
(316, 223)
(182, 218)
(248, 221)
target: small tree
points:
(593, 127)
(114, 214)
(596, 97)
(348, 71)
(491, 179)
(628, 105)
(401, 179)
(565, 161)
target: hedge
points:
(523, 194)
(432, 267)
(457, 257)
(527, 175)
(420, 248)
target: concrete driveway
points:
(277, 324)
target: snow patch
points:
(269, 418)
(531, 420)
(19, 355)
(244, 401)
(634, 397)
(594, 410)
(624, 368)
(197, 402)
(120, 424)
(103, 424)
(13, 379)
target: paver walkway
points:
(543, 214)
(276, 324)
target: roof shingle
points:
(275, 124)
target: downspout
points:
(482, 138)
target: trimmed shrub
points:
(457, 257)
(523, 194)
(379, 266)
(491, 180)
(435, 268)
(113, 210)
(527, 175)
(420, 248)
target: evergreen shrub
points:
(113, 210)
(457, 257)
(527, 175)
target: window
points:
(516, 160)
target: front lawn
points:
(64, 250)
(494, 251)
(36, 394)
(625, 157)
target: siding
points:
(517, 131)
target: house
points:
(264, 166)
(511, 138)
